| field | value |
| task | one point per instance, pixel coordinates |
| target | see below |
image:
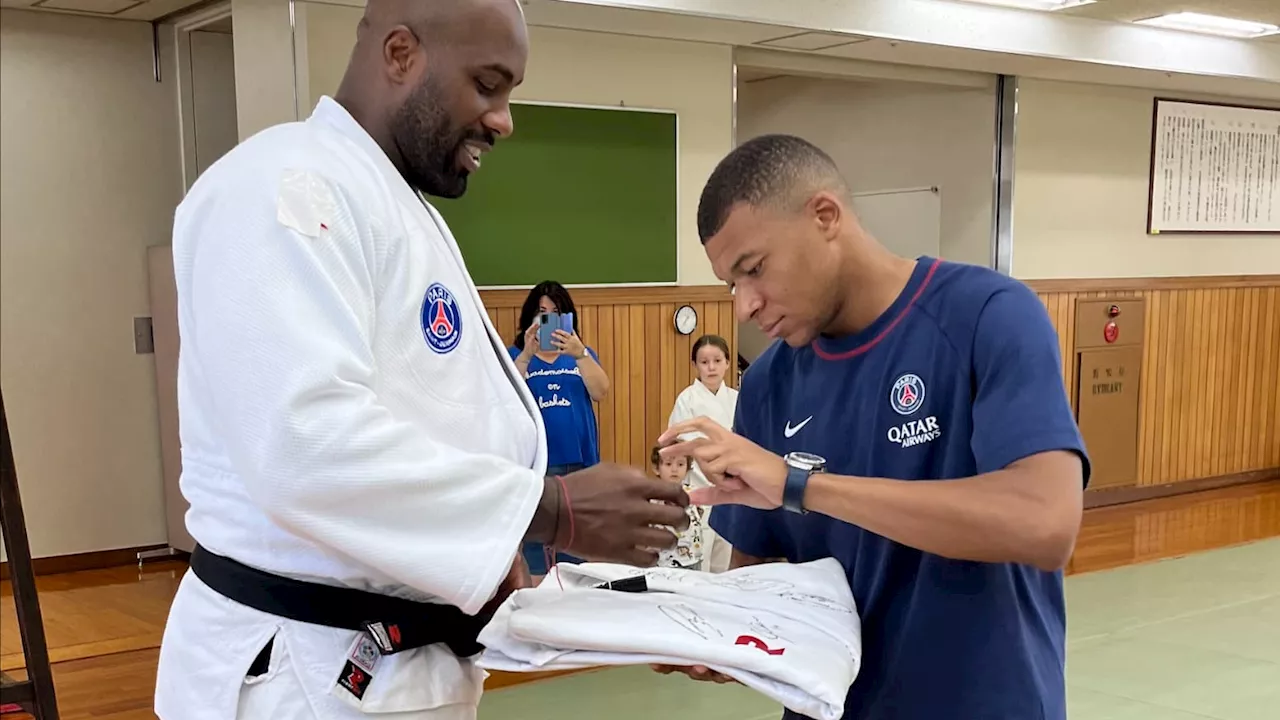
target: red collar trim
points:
(883, 333)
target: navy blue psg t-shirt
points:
(961, 376)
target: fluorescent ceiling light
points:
(1035, 4)
(1211, 24)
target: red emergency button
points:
(1111, 332)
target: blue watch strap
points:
(793, 491)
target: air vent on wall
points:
(812, 41)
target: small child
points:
(688, 550)
(711, 396)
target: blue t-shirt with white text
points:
(960, 376)
(567, 412)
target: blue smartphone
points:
(548, 323)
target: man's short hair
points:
(777, 170)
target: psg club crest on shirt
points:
(441, 320)
(907, 395)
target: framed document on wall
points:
(1215, 168)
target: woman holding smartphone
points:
(566, 378)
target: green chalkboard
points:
(578, 195)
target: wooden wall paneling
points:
(622, 373)
(1183, 391)
(655, 414)
(1147, 284)
(1271, 417)
(1236, 382)
(1213, 346)
(588, 318)
(1254, 384)
(1267, 342)
(1241, 363)
(729, 331)
(712, 324)
(603, 337)
(667, 349)
(1173, 350)
(1158, 388)
(636, 398)
(1210, 391)
(1201, 329)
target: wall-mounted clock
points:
(686, 320)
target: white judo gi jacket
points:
(696, 401)
(348, 416)
(791, 632)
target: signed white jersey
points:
(791, 632)
(348, 414)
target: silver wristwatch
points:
(800, 466)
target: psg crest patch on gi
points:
(441, 319)
(907, 394)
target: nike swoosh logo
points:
(789, 431)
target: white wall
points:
(890, 135)
(89, 177)
(266, 70)
(1082, 160)
(570, 66)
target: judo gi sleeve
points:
(281, 328)
(681, 412)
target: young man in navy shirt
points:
(913, 424)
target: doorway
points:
(206, 88)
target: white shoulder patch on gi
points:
(305, 202)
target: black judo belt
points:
(394, 623)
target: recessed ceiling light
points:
(1211, 24)
(1035, 4)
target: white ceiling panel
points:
(89, 7)
(156, 9)
(548, 13)
(145, 10)
(812, 41)
(1267, 11)
(934, 56)
(1264, 11)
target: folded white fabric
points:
(788, 631)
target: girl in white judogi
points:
(708, 396)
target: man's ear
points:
(828, 213)
(401, 55)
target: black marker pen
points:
(637, 584)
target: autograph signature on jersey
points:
(816, 601)
(764, 630)
(750, 584)
(689, 619)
